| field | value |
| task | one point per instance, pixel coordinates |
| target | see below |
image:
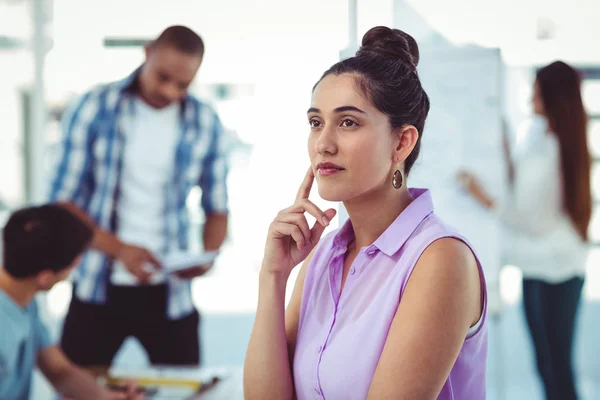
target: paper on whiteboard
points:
(175, 262)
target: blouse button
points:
(320, 349)
(352, 271)
(317, 391)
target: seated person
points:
(40, 245)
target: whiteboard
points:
(464, 131)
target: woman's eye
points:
(314, 123)
(348, 123)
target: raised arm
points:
(290, 241)
(535, 200)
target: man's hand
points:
(136, 259)
(128, 391)
(75, 383)
(194, 272)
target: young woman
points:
(548, 217)
(392, 305)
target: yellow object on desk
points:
(191, 377)
(141, 381)
(168, 382)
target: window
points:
(591, 100)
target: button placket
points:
(334, 271)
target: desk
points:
(229, 387)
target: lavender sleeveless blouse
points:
(341, 338)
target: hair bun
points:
(390, 43)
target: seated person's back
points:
(41, 246)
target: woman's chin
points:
(329, 194)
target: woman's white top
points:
(539, 236)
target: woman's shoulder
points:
(443, 250)
(433, 227)
(433, 230)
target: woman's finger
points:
(305, 205)
(283, 229)
(298, 220)
(318, 229)
(306, 185)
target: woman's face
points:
(538, 103)
(351, 146)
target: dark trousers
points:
(92, 334)
(550, 310)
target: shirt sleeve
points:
(73, 166)
(215, 168)
(42, 336)
(7, 350)
(534, 204)
(3, 369)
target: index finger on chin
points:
(306, 185)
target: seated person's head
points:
(43, 244)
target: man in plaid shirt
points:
(130, 153)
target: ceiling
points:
(527, 31)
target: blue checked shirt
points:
(89, 168)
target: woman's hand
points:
(290, 240)
(472, 185)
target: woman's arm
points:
(442, 299)
(535, 199)
(290, 241)
(268, 365)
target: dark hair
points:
(43, 238)
(386, 69)
(181, 38)
(560, 90)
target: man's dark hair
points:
(43, 238)
(181, 38)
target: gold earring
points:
(397, 178)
